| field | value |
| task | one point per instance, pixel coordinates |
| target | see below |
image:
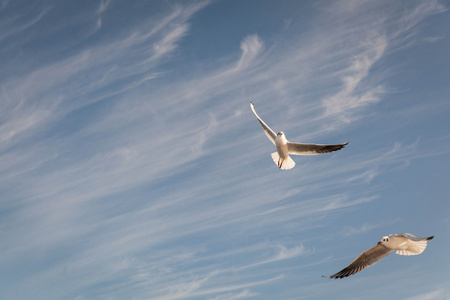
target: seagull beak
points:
(379, 243)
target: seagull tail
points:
(284, 164)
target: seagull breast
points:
(282, 147)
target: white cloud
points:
(349, 98)
(366, 227)
(241, 295)
(10, 26)
(168, 43)
(218, 290)
(79, 80)
(186, 290)
(437, 294)
(414, 16)
(103, 6)
(251, 47)
(283, 254)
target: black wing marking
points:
(364, 260)
(312, 149)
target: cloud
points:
(219, 290)
(283, 254)
(437, 294)
(241, 295)
(79, 80)
(10, 26)
(366, 227)
(168, 43)
(251, 46)
(103, 6)
(349, 98)
(184, 291)
(3, 4)
(417, 13)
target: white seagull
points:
(284, 147)
(403, 244)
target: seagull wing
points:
(269, 132)
(416, 244)
(364, 260)
(412, 237)
(312, 149)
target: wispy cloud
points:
(168, 43)
(348, 99)
(366, 227)
(437, 294)
(251, 46)
(12, 26)
(103, 6)
(223, 289)
(240, 295)
(283, 254)
(79, 80)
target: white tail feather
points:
(284, 164)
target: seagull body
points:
(402, 244)
(284, 147)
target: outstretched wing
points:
(415, 244)
(364, 260)
(414, 238)
(312, 149)
(269, 132)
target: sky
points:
(133, 168)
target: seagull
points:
(284, 147)
(402, 244)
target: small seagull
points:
(403, 244)
(284, 147)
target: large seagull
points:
(402, 244)
(284, 147)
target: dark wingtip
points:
(430, 238)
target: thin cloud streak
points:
(437, 294)
(10, 28)
(103, 6)
(224, 289)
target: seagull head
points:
(384, 240)
(281, 133)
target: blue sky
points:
(133, 168)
